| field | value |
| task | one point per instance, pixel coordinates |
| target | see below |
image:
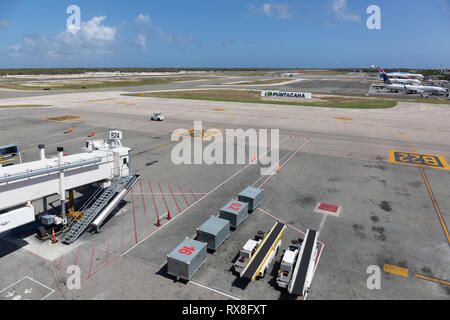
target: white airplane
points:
(405, 75)
(400, 81)
(412, 89)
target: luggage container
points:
(184, 261)
(252, 196)
(234, 211)
(213, 231)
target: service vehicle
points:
(256, 255)
(157, 116)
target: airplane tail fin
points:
(384, 76)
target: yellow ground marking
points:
(163, 145)
(343, 118)
(430, 192)
(268, 253)
(420, 276)
(199, 134)
(436, 208)
(418, 159)
(218, 109)
(62, 118)
(396, 270)
(125, 103)
(100, 100)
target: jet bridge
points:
(100, 162)
(259, 259)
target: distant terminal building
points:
(292, 74)
(373, 76)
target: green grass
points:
(100, 84)
(270, 81)
(253, 97)
(23, 106)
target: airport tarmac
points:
(340, 157)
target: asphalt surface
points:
(387, 215)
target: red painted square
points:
(328, 207)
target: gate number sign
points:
(418, 159)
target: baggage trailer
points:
(266, 250)
(214, 232)
(253, 196)
(185, 260)
(304, 265)
(234, 211)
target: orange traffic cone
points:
(70, 130)
(255, 158)
(53, 236)
(168, 215)
(158, 223)
(93, 133)
(278, 169)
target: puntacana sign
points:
(285, 94)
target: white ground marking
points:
(31, 279)
(214, 290)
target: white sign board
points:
(115, 134)
(286, 94)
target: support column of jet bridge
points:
(62, 191)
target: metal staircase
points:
(91, 209)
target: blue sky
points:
(244, 33)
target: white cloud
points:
(274, 10)
(94, 31)
(173, 39)
(143, 19)
(4, 24)
(142, 41)
(339, 8)
(91, 40)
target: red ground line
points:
(92, 260)
(122, 240)
(134, 216)
(104, 266)
(60, 261)
(153, 197)
(142, 195)
(181, 190)
(195, 199)
(178, 207)
(76, 257)
(164, 198)
(145, 211)
(107, 246)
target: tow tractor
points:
(256, 255)
(298, 265)
(288, 263)
(157, 116)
